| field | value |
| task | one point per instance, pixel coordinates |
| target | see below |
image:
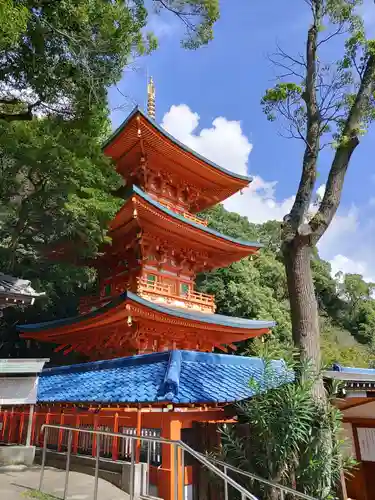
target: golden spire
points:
(151, 99)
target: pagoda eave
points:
(140, 136)
(159, 223)
(130, 322)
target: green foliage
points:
(13, 21)
(256, 288)
(282, 434)
(56, 184)
(198, 16)
(39, 495)
(60, 57)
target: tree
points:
(55, 184)
(278, 437)
(323, 105)
(60, 57)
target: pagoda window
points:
(184, 289)
(151, 278)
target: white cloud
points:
(347, 244)
(321, 190)
(341, 263)
(225, 143)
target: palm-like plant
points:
(281, 436)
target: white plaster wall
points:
(18, 390)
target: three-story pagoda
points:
(147, 301)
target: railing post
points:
(148, 467)
(95, 436)
(97, 457)
(115, 439)
(175, 471)
(132, 469)
(225, 484)
(76, 436)
(70, 438)
(183, 473)
(46, 429)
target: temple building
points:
(151, 339)
(16, 291)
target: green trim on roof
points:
(136, 190)
(217, 319)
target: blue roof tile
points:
(173, 376)
(354, 370)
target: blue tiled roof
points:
(217, 319)
(173, 376)
(175, 141)
(136, 190)
(354, 370)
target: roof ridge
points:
(171, 383)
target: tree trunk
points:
(304, 307)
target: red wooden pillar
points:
(22, 424)
(115, 439)
(171, 429)
(33, 429)
(5, 421)
(47, 420)
(60, 438)
(138, 433)
(76, 435)
(96, 426)
(11, 426)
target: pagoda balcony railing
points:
(183, 213)
(203, 301)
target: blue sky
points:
(217, 89)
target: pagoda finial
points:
(151, 98)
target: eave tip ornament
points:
(151, 98)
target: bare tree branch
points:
(349, 142)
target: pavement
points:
(16, 481)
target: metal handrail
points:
(279, 486)
(177, 445)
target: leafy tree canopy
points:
(257, 288)
(60, 57)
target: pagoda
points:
(151, 339)
(147, 301)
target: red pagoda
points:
(147, 301)
(142, 332)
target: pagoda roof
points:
(155, 139)
(127, 322)
(179, 377)
(200, 317)
(158, 220)
(137, 191)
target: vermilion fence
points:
(14, 423)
